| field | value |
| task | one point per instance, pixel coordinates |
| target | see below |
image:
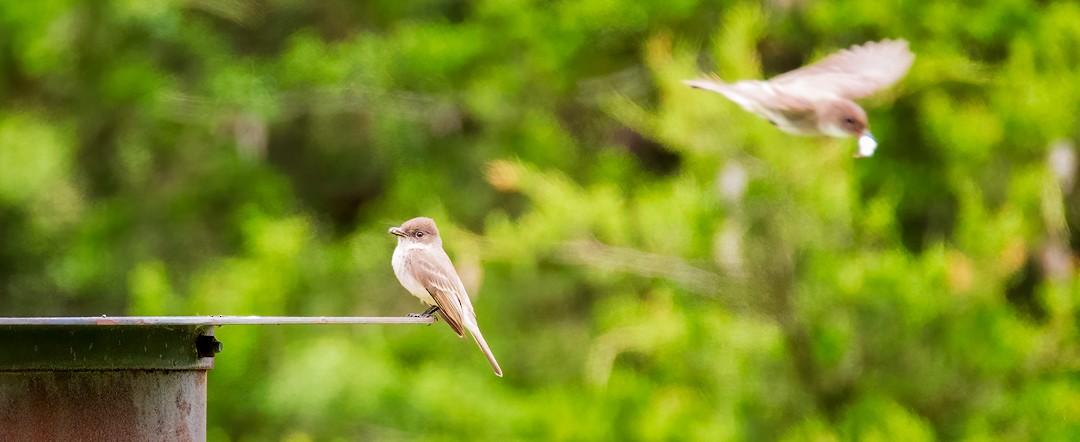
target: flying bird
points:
(425, 270)
(817, 99)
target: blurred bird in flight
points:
(425, 270)
(817, 99)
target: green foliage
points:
(648, 261)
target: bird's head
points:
(419, 230)
(844, 118)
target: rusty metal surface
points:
(135, 405)
(214, 320)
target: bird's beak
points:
(867, 145)
(397, 231)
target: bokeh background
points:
(648, 261)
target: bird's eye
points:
(849, 120)
(419, 234)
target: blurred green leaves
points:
(648, 261)
(35, 157)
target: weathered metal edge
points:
(47, 347)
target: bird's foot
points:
(426, 314)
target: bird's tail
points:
(709, 85)
(474, 330)
(744, 93)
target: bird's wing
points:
(852, 73)
(453, 301)
(445, 289)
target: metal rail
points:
(214, 320)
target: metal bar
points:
(215, 320)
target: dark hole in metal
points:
(207, 346)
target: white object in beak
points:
(867, 145)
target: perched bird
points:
(425, 270)
(816, 99)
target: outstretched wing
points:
(852, 73)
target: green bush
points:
(648, 261)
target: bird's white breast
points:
(404, 276)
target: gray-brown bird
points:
(817, 99)
(425, 270)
